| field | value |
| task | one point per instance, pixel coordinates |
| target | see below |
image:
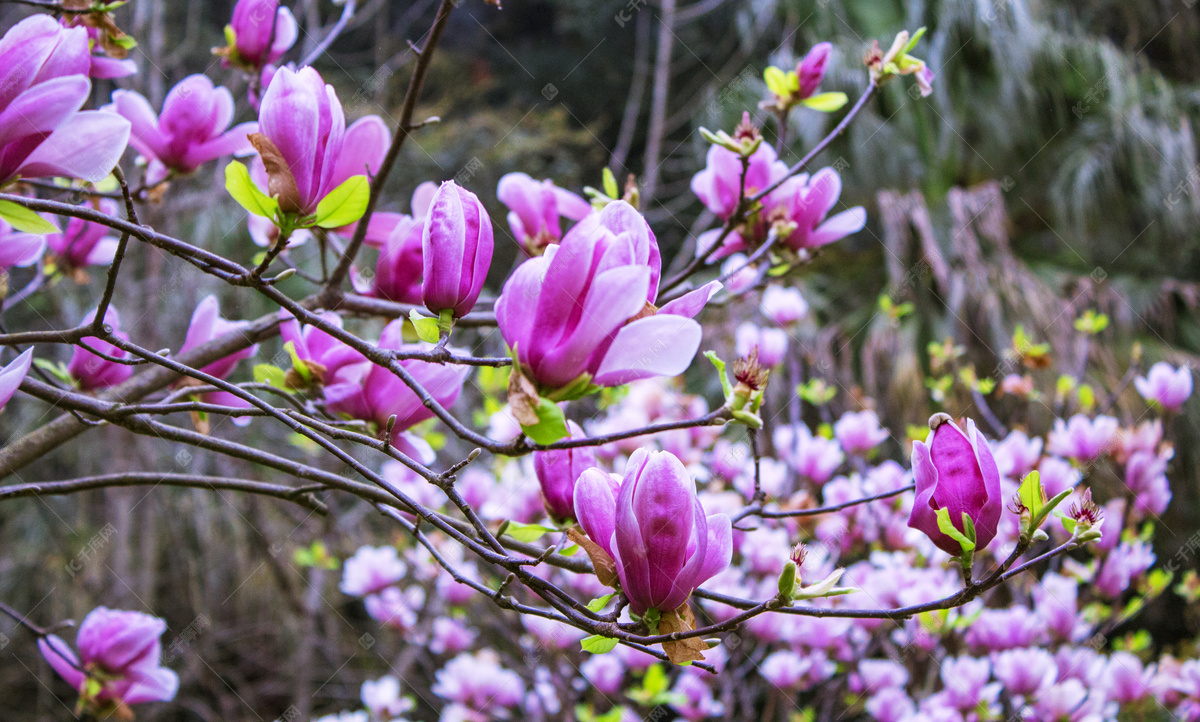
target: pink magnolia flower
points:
(13, 374)
(43, 84)
(456, 250)
(783, 306)
(655, 529)
(262, 33)
(19, 249)
(557, 472)
(859, 432)
(120, 652)
(93, 372)
(371, 570)
(1082, 438)
(582, 308)
(477, 683)
(807, 202)
(322, 353)
(85, 243)
(772, 343)
(398, 270)
(719, 185)
(535, 208)
(208, 325)
(814, 457)
(383, 699)
(372, 393)
(192, 129)
(302, 131)
(1165, 385)
(956, 471)
(811, 68)
(103, 67)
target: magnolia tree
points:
(672, 558)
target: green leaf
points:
(25, 220)
(271, 375)
(610, 183)
(425, 326)
(246, 193)
(597, 644)
(948, 528)
(776, 80)
(916, 38)
(1032, 493)
(826, 102)
(345, 204)
(570, 550)
(57, 370)
(655, 680)
(598, 603)
(525, 532)
(551, 425)
(716, 361)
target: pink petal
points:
(659, 345)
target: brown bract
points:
(683, 650)
(606, 568)
(522, 398)
(281, 184)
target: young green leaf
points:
(598, 603)
(551, 425)
(948, 528)
(720, 365)
(826, 102)
(25, 220)
(246, 193)
(597, 644)
(426, 327)
(525, 532)
(345, 204)
(271, 375)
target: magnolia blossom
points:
(783, 306)
(261, 33)
(1083, 439)
(477, 683)
(807, 202)
(535, 208)
(1165, 385)
(371, 570)
(363, 390)
(719, 186)
(859, 432)
(811, 69)
(119, 653)
(192, 129)
(13, 374)
(456, 250)
(19, 249)
(92, 372)
(399, 268)
(955, 471)
(771, 343)
(580, 312)
(653, 526)
(85, 243)
(558, 469)
(382, 698)
(208, 325)
(814, 457)
(103, 67)
(302, 131)
(43, 84)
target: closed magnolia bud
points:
(955, 471)
(558, 470)
(812, 68)
(456, 247)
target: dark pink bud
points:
(812, 68)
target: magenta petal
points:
(19, 249)
(659, 345)
(719, 552)
(105, 68)
(13, 374)
(43, 107)
(86, 146)
(839, 226)
(155, 685)
(366, 142)
(595, 502)
(692, 303)
(144, 135)
(571, 205)
(60, 657)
